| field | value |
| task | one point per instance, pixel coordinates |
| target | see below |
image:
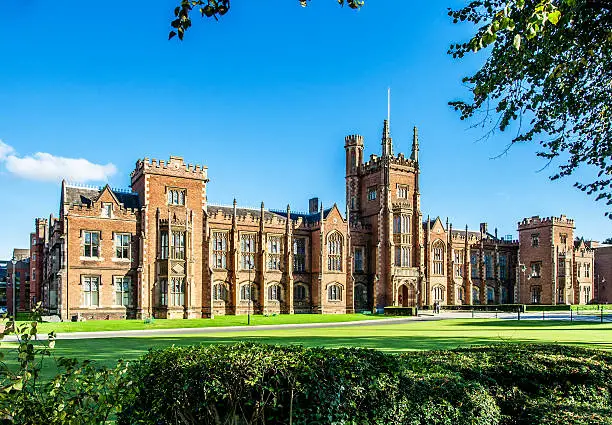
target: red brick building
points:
(161, 250)
(603, 273)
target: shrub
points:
(545, 307)
(400, 311)
(247, 384)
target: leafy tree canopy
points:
(549, 72)
(608, 241)
(216, 8)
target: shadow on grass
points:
(531, 323)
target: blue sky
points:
(263, 98)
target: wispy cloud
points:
(44, 166)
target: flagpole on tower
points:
(389, 105)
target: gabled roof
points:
(86, 196)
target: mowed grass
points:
(218, 321)
(417, 335)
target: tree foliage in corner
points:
(550, 72)
(216, 8)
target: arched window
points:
(438, 293)
(219, 292)
(334, 292)
(475, 296)
(247, 291)
(334, 252)
(274, 292)
(490, 295)
(438, 258)
(461, 294)
(300, 293)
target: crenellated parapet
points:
(353, 140)
(536, 221)
(175, 167)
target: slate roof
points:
(85, 196)
(242, 212)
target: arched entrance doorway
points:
(406, 295)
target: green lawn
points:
(430, 335)
(219, 321)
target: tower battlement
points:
(175, 166)
(536, 221)
(353, 140)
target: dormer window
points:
(107, 210)
(176, 196)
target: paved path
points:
(375, 322)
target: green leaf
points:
(553, 17)
(517, 41)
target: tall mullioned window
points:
(474, 265)
(334, 292)
(299, 254)
(91, 245)
(488, 266)
(177, 294)
(176, 196)
(122, 245)
(402, 256)
(358, 258)
(438, 258)
(536, 269)
(458, 262)
(334, 252)
(220, 292)
(401, 224)
(163, 240)
(91, 291)
(219, 241)
(247, 251)
(178, 245)
(274, 253)
(503, 267)
(163, 292)
(123, 291)
(274, 292)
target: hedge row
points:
(541, 307)
(249, 384)
(513, 308)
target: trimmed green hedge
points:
(254, 384)
(400, 311)
(509, 308)
(541, 307)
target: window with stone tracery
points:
(458, 262)
(178, 245)
(247, 251)
(334, 252)
(401, 224)
(438, 258)
(274, 253)
(219, 241)
(402, 256)
(299, 254)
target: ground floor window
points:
(163, 292)
(438, 293)
(587, 294)
(490, 295)
(123, 291)
(300, 293)
(475, 296)
(177, 296)
(91, 291)
(536, 295)
(247, 292)
(219, 292)
(274, 292)
(334, 292)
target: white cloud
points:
(5, 150)
(46, 167)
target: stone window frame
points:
(535, 240)
(458, 262)
(219, 242)
(91, 245)
(401, 224)
(437, 257)
(535, 269)
(274, 292)
(563, 238)
(179, 250)
(334, 292)
(163, 291)
(402, 191)
(438, 293)
(247, 258)
(164, 248)
(220, 291)
(372, 193)
(403, 255)
(122, 247)
(303, 285)
(535, 293)
(488, 261)
(176, 196)
(275, 259)
(475, 295)
(87, 293)
(299, 259)
(335, 251)
(503, 266)
(490, 290)
(361, 251)
(177, 291)
(252, 291)
(587, 269)
(120, 292)
(106, 210)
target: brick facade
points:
(161, 250)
